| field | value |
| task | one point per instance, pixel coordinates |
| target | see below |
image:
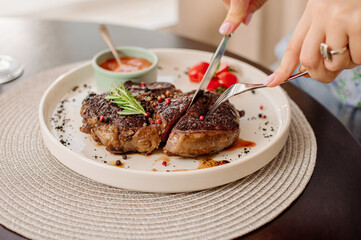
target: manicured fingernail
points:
(248, 19)
(225, 28)
(269, 79)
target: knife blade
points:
(215, 60)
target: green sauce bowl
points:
(106, 79)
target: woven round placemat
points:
(42, 199)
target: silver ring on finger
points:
(327, 55)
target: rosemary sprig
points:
(121, 97)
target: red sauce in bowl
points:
(129, 64)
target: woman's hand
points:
(336, 23)
(239, 11)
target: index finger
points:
(290, 59)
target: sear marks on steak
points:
(170, 113)
(156, 88)
(193, 137)
(149, 93)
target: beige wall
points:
(200, 20)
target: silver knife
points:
(215, 60)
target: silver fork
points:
(239, 88)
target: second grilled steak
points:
(193, 137)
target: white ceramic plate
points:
(60, 121)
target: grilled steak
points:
(188, 135)
(133, 133)
(194, 137)
(118, 133)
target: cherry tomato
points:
(223, 67)
(197, 72)
(227, 79)
(213, 84)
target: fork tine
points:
(219, 101)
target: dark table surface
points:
(330, 206)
